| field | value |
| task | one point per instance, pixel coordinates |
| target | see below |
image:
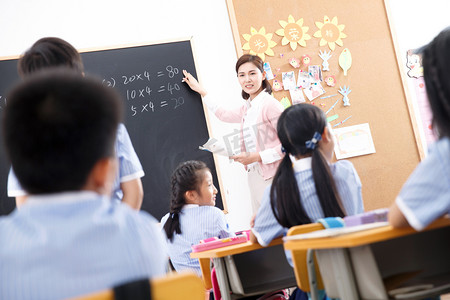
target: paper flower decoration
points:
(330, 33)
(293, 32)
(259, 43)
(277, 86)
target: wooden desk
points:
(247, 269)
(364, 265)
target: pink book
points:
(213, 243)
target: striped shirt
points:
(130, 167)
(197, 223)
(426, 194)
(70, 244)
(348, 185)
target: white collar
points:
(301, 164)
(257, 100)
(188, 206)
(64, 197)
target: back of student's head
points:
(299, 129)
(186, 177)
(436, 69)
(49, 52)
(257, 62)
(57, 126)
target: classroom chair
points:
(184, 285)
(305, 263)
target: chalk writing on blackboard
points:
(144, 85)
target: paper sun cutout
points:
(330, 33)
(293, 32)
(259, 43)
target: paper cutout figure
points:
(285, 102)
(330, 32)
(293, 33)
(316, 73)
(315, 90)
(330, 80)
(304, 79)
(288, 80)
(325, 56)
(345, 60)
(259, 43)
(295, 62)
(414, 64)
(344, 91)
(306, 60)
(277, 86)
(268, 70)
(297, 95)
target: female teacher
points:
(260, 149)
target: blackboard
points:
(166, 121)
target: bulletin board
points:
(377, 98)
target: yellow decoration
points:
(330, 33)
(293, 33)
(285, 102)
(259, 43)
(345, 60)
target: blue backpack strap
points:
(136, 290)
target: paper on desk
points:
(334, 231)
(217, 147)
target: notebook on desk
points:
(334, 231)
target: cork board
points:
(377, 97)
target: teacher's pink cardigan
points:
(266, 135)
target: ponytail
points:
(329, 198)
(285, 196)
(186, 177)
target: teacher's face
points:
(250, 78)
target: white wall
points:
(100, 23)
(416, 23)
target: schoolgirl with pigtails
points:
(306, 186)
(193, 216)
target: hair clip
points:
(283, 150)
(311, 144)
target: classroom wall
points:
(101, 23)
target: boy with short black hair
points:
(69, 238)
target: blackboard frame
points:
(215, 169)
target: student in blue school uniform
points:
(51, 52)
(193, 216)
(426, 194)
(306, 186)
(69, 239)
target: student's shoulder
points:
(343, 168)
(213, 210)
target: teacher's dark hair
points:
(297, 125)
(56, 127)
(50, 52)
(436, 69)
(186, 177)
(259, 63)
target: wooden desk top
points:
(360, 238)
(233, 249)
